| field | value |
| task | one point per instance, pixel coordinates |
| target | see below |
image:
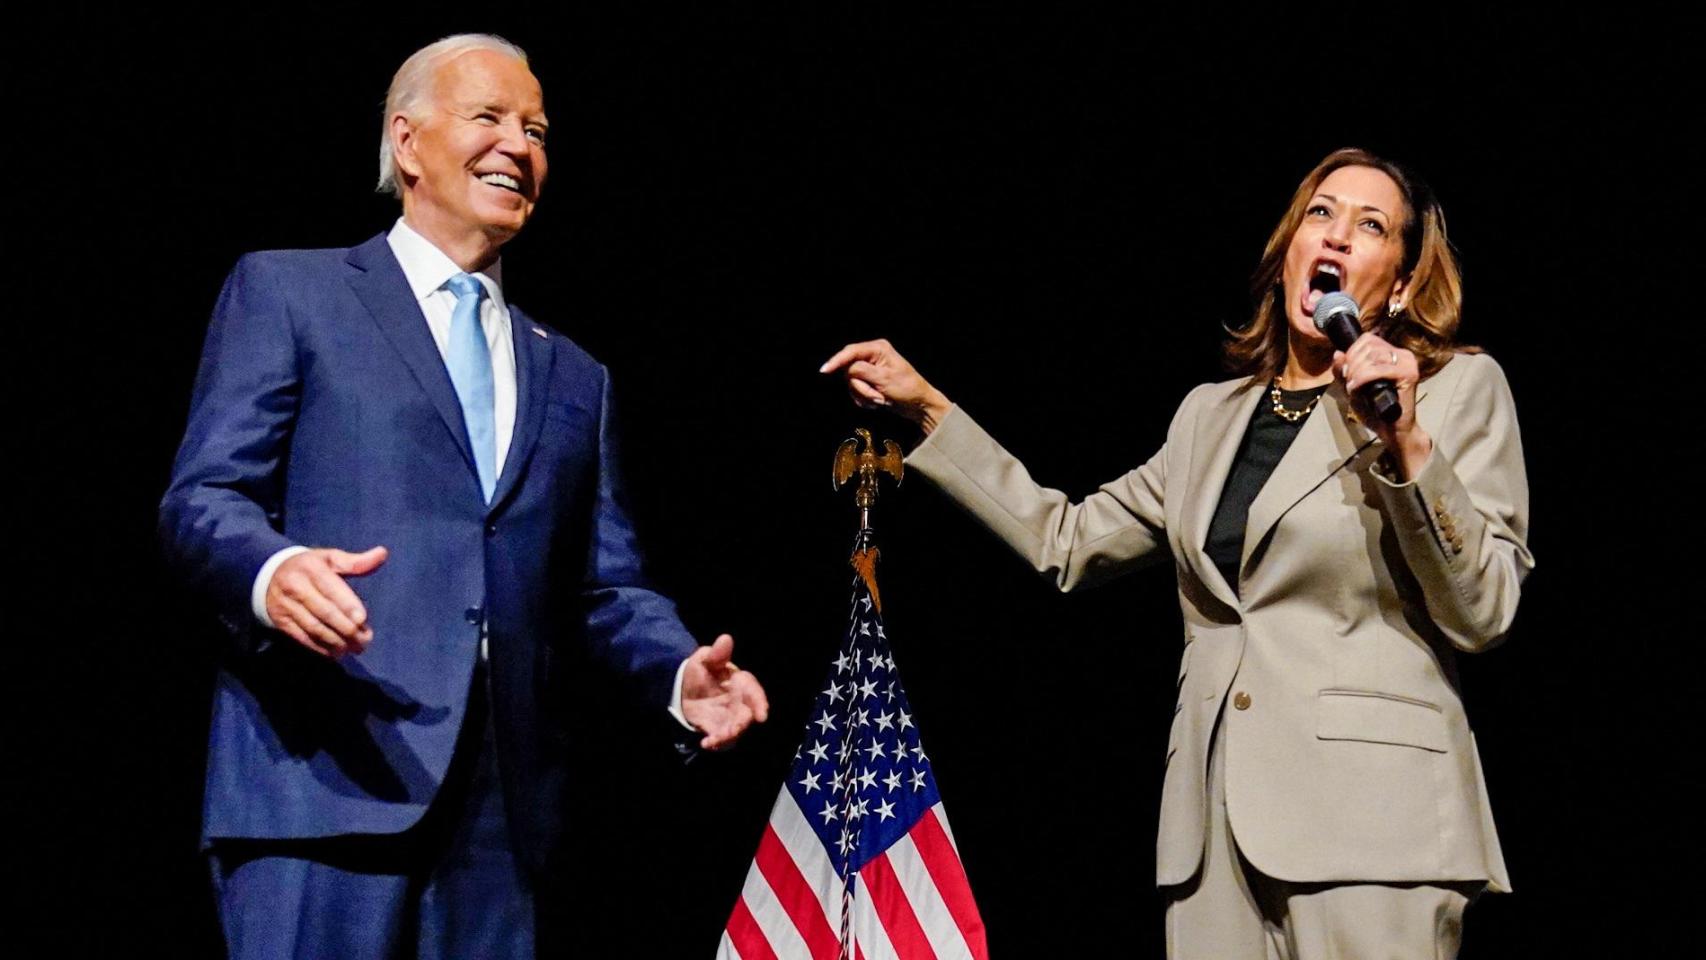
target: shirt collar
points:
(426, 267)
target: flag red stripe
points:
(796, 896)
(895, 911)
(937, 852)
(744, 933)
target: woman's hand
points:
(1369, 359)
(877, 376)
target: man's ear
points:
(403, 133)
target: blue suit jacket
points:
(323, 415)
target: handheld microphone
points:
(1336, 316)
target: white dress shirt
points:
(427, 269)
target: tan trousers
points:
(1230, 911)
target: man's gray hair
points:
(411, 88)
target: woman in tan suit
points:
(1323, 796)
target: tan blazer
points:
(1348, 753)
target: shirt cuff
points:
(675, 699)
(258, 593)
(1386, 468)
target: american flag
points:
(857, 861)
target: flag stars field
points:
(871, 870)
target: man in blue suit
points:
(386, 772)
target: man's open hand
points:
(309, 601)
(719, 698)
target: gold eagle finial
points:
(850, 460)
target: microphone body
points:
(1337, 315)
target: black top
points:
(1264, 443)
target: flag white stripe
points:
(726, 948)
(802, 844)
(868, 930)
(773, 921)
(927, 904)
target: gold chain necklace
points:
(1289, 416)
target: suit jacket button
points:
(1439, 507)
(1241, 700)
(472, 614)
(1456, 544)
(491, 529)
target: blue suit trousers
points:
(451, 886)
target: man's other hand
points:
(719, 698)
(309, 601)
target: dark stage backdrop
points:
(1052, 215)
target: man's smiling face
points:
(474, 160)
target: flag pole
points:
(857, 859)
(866, 464)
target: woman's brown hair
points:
(1427, 326)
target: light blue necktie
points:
(470, 364)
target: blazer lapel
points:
(1331, 438)
(382, 288)
(1312, 457)
(533, 361)
(1219, 433)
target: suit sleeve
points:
(219, 517)
(629, 625)
(1118, 527)
(1462, 521)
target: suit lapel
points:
(1331, 438)
(1312, 457)
(380, 285)
(1220, 430)
(533, 361)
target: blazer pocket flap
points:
(1380, 718)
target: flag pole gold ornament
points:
(850, 460)
(866, 464)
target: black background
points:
(1051, 214)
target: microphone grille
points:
(1335, 304)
